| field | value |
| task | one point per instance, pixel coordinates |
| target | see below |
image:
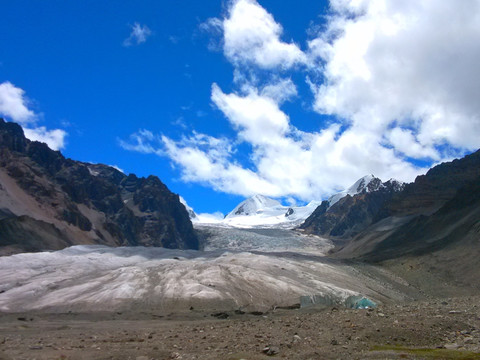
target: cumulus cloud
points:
(252, 36)
(399, 80)
(138, 35)
(14, 106)
(55, 139)
(280, 91)
(257, 118)
(410, 65)
(285, 161)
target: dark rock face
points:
(81, 203)
(351, 214)
(436, 218)
(457, 221)
(289, 212)
(430, 191)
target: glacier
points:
(260, 273)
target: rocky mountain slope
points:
(428, 233)
(48, 202)
(353, 210)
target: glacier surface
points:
(260, 270)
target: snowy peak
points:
(254, 205)
(367, 183)
(263, 212)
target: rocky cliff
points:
(351, 214)
(49, 202)
(440, 210)
(428, 233)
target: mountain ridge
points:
(71, 202)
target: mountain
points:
(255, 205)
(367, 183)
(262, 211)
(427, 233)
(437, 208)
(48, 202)
(349, 212)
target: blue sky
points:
(226, 99)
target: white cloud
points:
(206, 218)
(257, 118)
(142, 141)
(285, 161)
(404, 141)
(138, 35)
(399, 78)
(404, 64)
(13, 105)
(280, 91)
(251, 36)
(55, 139)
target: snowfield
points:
(260, 212)
(98, 278)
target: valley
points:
(240, 269)
(102, 265)
(239, 298)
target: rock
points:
(271, 350)
(220, 315)
(256, 313)
(36, 347)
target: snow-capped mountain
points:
(262, 211)
(352, 210)
(368, 183)
(255, 205)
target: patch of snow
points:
(92, 171)
(190, 211)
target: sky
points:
(223, 100)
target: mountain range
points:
(48, 202)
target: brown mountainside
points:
(49, 202)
